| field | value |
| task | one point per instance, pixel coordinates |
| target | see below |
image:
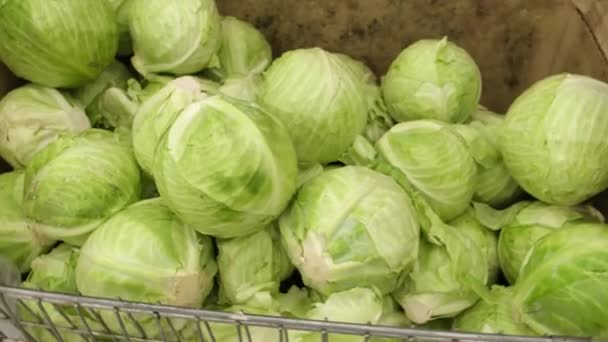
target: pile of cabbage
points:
(159, 154)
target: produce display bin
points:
(514, 42)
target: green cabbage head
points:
(173, 37)
(77, 182)
(31, 117)
(554, 140)
(432, 79)
(64, 44)
(561, 289)
(436, 160)
(450, 273)
(251, 265)
(20, 240)
(168, 262)
(351, 227)
(243, 51)
(492, 317)
(226, 167)
(156, 115)
(524, 223)
(320, 100)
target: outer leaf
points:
(54, 44)
(226, 167)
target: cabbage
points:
(432, 79)
(351, 227)
(436, 160)
(33, 116)
(449, 274)
(20, 241)
(378, 119)
(156, 114)
(106, 100)
(494, 317)
(561, 289)
(55, 272)
(122, 11)
(226, 167)
(251, 264)
(494, 184)
(485, 239)
(168, 263)
(524, 223)
(76, 182)
(320, 100)
(175, 37)
(54, 44)
(554, 142)
(243, 51)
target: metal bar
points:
(84, 321)
(210, 331)
(121, 324)
(49, 322)
(103, 323)
(199, 330)
(138, 326)
(239, 335)
(14, 318)
(248, 333)
(67, 318)
(269, 321)
(173, 330)
(160, 326)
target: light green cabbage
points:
(494, 317)
(449, 275)
(494, 184)
(485, 239)
(553, 142)
(174, 37)
(378, 119)
(432, 79)
(20, 241)
(226, 167)
(33, 116)
(57, 45)
(243, 50)
(251, 265)
(561, 289)
(77, 182)
(55, 272)
(320, 100)
(436, 160)
(156, 115)
(524, 223)
(168, 262)
(106, 100)
(351, 227)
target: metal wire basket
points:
(78, 318)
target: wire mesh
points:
(46, 317)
